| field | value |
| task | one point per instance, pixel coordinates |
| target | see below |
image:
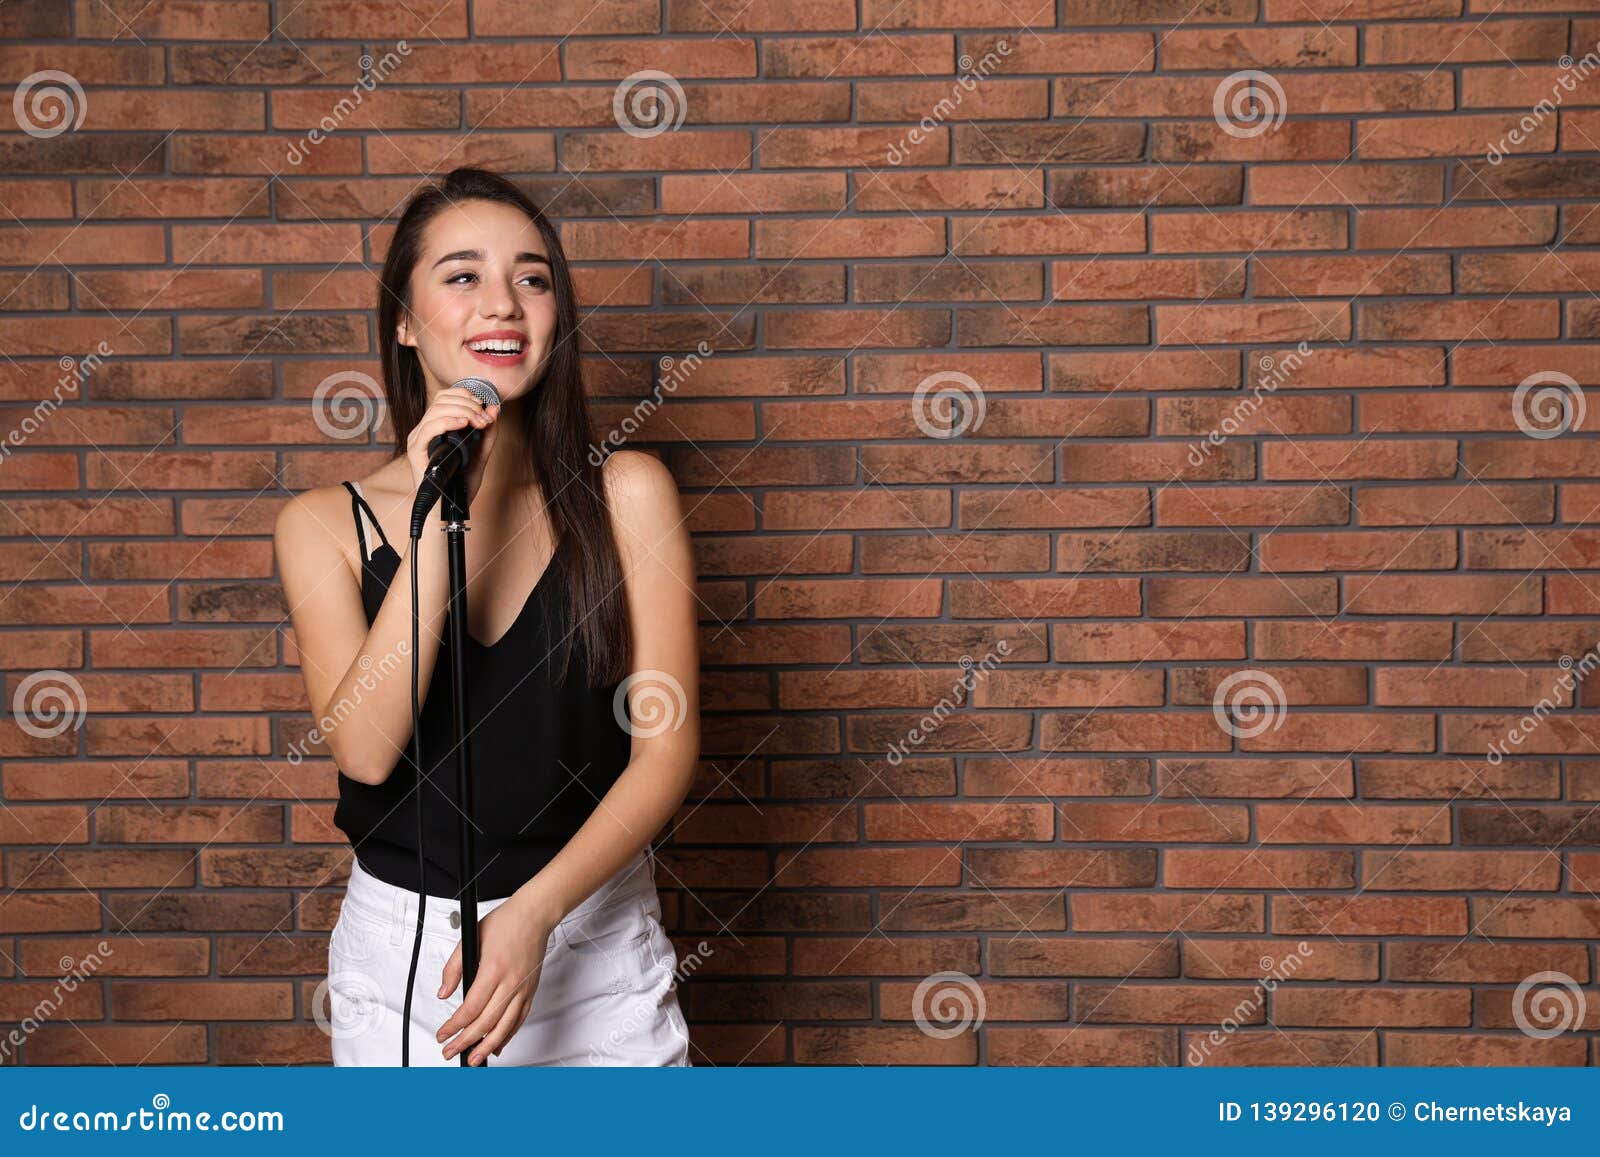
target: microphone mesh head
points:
(482, 389)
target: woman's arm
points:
(658, 581)
(358, 679)
(658, 566)
(660, 584)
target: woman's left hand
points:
(512, 941)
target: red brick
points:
(1082, 1046)
(1248, 407)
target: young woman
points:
(580, 594)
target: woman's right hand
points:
(451, 409)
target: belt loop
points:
(397, 917)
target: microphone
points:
(449, 453)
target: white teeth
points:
(497, 345)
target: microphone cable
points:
(454, 447)
(422, 867)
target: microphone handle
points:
(448, 453)
(464, 435)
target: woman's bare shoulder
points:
(642, 495)
(325, 513)
(634, 474)
(307, 509)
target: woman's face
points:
(482, 300)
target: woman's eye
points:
(537, 280)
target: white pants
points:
(606, 993)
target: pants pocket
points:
(600, 953)
(356, 938)
(620, 930)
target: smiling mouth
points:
(505, 351)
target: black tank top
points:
(543, 749)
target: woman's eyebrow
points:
(477, 255)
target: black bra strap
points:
(357, 506)
(355, 509)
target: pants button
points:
(455, 919)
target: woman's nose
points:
(498, 301)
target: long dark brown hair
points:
(553, 419)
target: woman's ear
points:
(402, 330)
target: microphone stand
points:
(453, 512)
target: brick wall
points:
(1168, 649)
